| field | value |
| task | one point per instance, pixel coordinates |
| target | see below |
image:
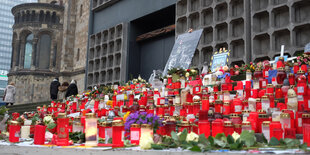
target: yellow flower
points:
(126, 115)
(146, 140)
(110, 103)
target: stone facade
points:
(66, 57)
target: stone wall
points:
(30, 88)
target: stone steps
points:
(21, 108)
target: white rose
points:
(192, 137)
(48, 119)
(145, 141)
(235, 135)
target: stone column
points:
(22, 54)
(34, 53)
(52, 55)
(17, 53)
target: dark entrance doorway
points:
(150, 53)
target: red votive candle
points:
(62, 130)
(228, 128)
(135, 133)
(14, 132)
(39, 135)
(306, 134)
(204, 128)
(217, 127)
(118, 133)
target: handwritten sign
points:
(183, 50)
(219, 59)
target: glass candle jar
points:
(39, 135)
(62, 130)
(305, 119)
(170, 126)
(77, 125)
(248, 75)
(291, 79)
(258, 74)
(217, 127)
(246, 126)
(252, 104)
(269, 89)
(261, 118)
(185, 125)
(226, 108)
(238, 128)
(147, 130)
(245, 115)
(135, 107)
(218, 106)
(205, 103)
(91, 130)
(285, 120)
(102, 129)
(135, 133)
(228, 128)
(281, 75)
(266, 130)
(306, 134)
(263, 83)
(14, 132)
(118, 133)
(235, 119)
(204, 128)
(237, 106)
(226, 96)
(25, 132)
(278, 91)
(265, 103)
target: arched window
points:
(45, 51)
(28, 51)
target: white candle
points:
(25, 131)
(282, 50)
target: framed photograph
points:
(219, 59)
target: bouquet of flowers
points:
(303, 59)
(142, 118)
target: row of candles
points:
(277, 109)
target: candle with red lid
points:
(135, 133)
(228, 128)
(62, 130)
(237, 106)
(39, 134)
(14, 132)
(118, 133)
(217, 127)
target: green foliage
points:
(51, 125)
(3, 110)
(110, 141)
(101, 141)
(34, 119)
(274, 142)
(248, 138)
(77, 137)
